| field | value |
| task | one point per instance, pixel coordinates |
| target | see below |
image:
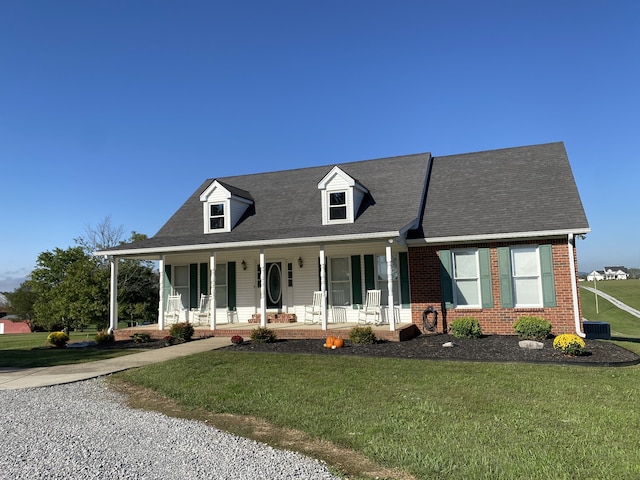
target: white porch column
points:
(323, 286)
(212, 303)
(263, 290)
(390, 311)
(161, 299)
(113, 295)
(574, 288)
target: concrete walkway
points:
(18, 378)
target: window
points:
(221, 285)
(466, 278)
(337, 206)
(216, 216)
(340, 280)
(382, 279)
(525, 270)
(181, 283)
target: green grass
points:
(434, 419)
(627, 291)
(17, 351)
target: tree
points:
(101, 237)
(71, 290)
(21, 301)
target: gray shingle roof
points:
(489, 193)
(287, 204)
(523, 189)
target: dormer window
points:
(216, 216)
(341, 197)
(338, 206)
(223, 206)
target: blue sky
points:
(123, 108)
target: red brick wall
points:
(424, 276)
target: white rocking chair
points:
(174, 307)
(371, 308)
(202, 314)
(314, 309)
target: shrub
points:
(362, 336)
(263, 335)
(569, 344)
(104, 337)
(59, 339)
(168, 340)
(532, 328)
(141, 337)
(467, 327)
(181, 332)
(237, 339)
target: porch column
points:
(263, 290)
(212, 302)
(113, 295)
(323, 286)
(161, 299)
(390, 311)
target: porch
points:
(284, 331)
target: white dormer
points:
(223, 206)
(341, 197)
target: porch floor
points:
(285, 331)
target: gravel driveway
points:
(84, 431)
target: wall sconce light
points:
(244, 264)
(300, 262)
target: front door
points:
(274, 285)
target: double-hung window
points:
(181, 283)
(525, 269)
(216, 216)
(466, 278)
(221, 285)
(340, 280)
(337, 205)
(382, 279)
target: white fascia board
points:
(251, 244)
(498, 236)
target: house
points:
(488, 234)
(595, 275)
(8, 325)
(616, 273)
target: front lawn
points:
(434, 419)
(28, 350)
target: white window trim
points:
(227, 216)
(454, 279)
(538, 277)
(348, 199)
(348, 282)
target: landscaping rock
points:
(448, 344)
(531, 344)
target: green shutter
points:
(356, 280)
(486, 292)
(405, 299)
(369, 273)
(204, 279)
(193, 285)
(167, 283)
(504, 270)
(546, 269)
(446, 280)
(231, 285)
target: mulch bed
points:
(491, 348)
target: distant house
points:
(488, 234)
(595, 275)
(7, 325)
(609, 273)
(616, 273)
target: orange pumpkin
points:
(338, 342)
(329, 342)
